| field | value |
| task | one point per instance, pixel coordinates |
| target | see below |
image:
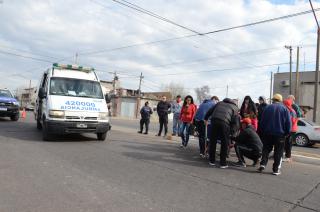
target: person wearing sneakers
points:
(275, 127)
(199, 122)
(223, 116)
(145, 112)
(187, 114)
(294, 121)
(248, 144)
(163, 109)
(176, 109)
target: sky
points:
(36, 33)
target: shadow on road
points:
(27, 131)
(173, 154)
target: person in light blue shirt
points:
(176, 109)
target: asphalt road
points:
(132, 172)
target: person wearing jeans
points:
(176, 109)
(200, 125)
(187, 114)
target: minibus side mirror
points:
(42, 94)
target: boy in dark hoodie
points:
(248, 144)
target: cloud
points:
(57, 29)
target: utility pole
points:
(290, 80)
(296, 93)
(271, 81)
(29, 94)
(115, 77)
(139, 91)
(76, 58)
(227, 91)
(139, 96)
(316, 85)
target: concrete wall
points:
(305, 96)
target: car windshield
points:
(75, 87)
(5, 93)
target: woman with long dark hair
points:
(248, 110)
(187, 114)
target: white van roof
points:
(74, 71)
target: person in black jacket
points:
(163, 108)
(248, 144)
(262, 105)
(145, 112)
(224, 117)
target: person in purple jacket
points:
(275, 127)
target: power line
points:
(201, 34)
(22, 50)
(314, 14)
(147, 12)
(219, 56)
(24, 56)
(220, 70)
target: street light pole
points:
(316, 81)
(316, 85)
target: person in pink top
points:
(187, 114)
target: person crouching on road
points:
(176, 109)
(163, 108)
(222, 119)
(275, 127)
(248, 144)
(200, 125)
(187, 114)
(294, 121)
(145, 112)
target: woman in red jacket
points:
(187, 114)
(294, 128)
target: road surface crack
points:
(300, 201)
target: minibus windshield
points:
(75, 87)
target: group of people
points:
(253, 130)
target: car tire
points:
(15, 117)
(45, 133)
(39, 126)
(101, 136)
(301, 140)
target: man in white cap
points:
(275, 126)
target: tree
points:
(175, 89)
(202, 93)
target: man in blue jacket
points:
(275, 126)
(201, 127)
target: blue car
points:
(9, 106)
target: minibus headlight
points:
(103, 116)
(56, 113)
